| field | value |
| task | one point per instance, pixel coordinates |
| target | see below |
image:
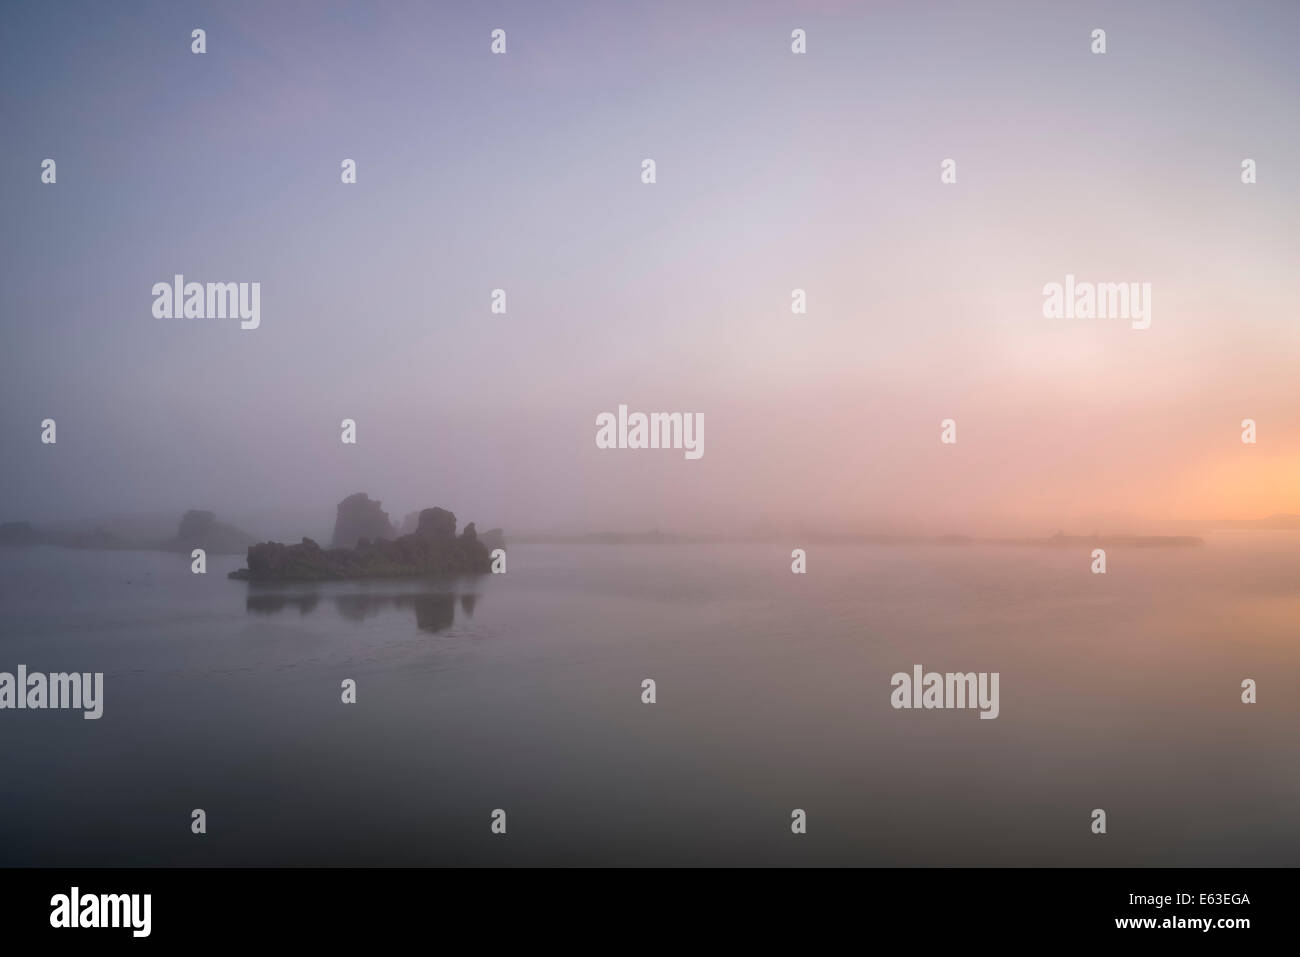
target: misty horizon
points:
(290, 524)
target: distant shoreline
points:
(1054, 541)
(218, 538)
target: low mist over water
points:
(523, 692)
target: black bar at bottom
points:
(382, 905)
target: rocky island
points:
(433, 548)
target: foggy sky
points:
(775, 171)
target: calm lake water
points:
(523, 692)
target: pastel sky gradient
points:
(775, 171)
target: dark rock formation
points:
(433, 549)
(200, 529)
(438, 524)
(493, 538)
(360, 517)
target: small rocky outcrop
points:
(359, 516)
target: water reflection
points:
(434, 611)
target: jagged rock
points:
(492, 538)
(434, 549)
(436, 523)
(360, 517)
